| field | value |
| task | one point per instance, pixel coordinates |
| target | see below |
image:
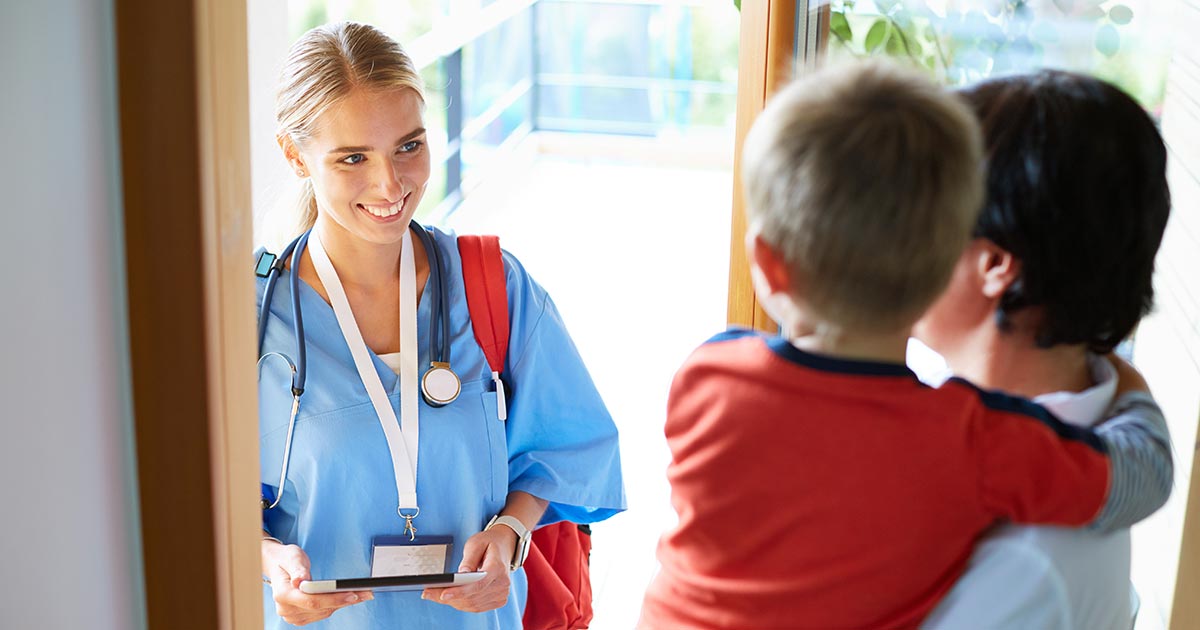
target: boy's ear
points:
(997, 267)
(774, 271)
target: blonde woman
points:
(377, 474)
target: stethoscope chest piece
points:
(440, 385)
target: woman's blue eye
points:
(410, 146)
(354, 158)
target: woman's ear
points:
(292, 154)
(997, 267)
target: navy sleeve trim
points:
(1014, 404)
(784, 349)
(736, 332)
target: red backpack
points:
(560, 585)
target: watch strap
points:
(523, 536)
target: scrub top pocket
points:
(497, 446)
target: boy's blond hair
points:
(866, 180)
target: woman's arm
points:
(1139, 444)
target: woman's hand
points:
(286, 566)
(1128, 378)
(489, 551)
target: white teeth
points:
(385, 212)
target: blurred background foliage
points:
(961, 42)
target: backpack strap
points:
(487, 301)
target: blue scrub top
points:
(559, 443)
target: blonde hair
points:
(323, 67)
(866, 180)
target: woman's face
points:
(369, 163)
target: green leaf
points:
(840, 26)
(738, 5)
(1120, 14)
(1108, 40)
(895, 45)
(875, 36)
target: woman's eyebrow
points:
(419, 131)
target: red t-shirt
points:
(816, 492)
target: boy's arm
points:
(1038, 470)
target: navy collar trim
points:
(785, 350)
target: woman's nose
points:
(388, 181)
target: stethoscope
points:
(440, 386)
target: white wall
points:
(68, 535)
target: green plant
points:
(966, 41)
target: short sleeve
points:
(562, 442)
(1034, 468)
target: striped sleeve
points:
(1139, 448)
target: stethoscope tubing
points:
(439, 336)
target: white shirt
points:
(1052, 578)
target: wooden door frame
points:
(773, 35)
(1185, 605)
(184, 117)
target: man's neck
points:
(1012, 362)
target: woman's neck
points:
(362, 265)
(1013, 363)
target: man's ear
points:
(997, 267)
(770, 265)
(291, 153)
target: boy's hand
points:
(1128, 378)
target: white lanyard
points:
(402, 436)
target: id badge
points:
(397, 555)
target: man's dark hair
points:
(1077, 190)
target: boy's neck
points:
(879, 347)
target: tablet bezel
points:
(391, 583)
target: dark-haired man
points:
(1059, 273)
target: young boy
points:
(818, 483)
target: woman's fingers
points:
(489, 593)
(473, 552)
(297, 607)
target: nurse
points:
(350, 110)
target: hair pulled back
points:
(323, 67)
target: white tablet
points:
(392, 583)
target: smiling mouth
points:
(385, 212)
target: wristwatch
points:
(523, 534)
